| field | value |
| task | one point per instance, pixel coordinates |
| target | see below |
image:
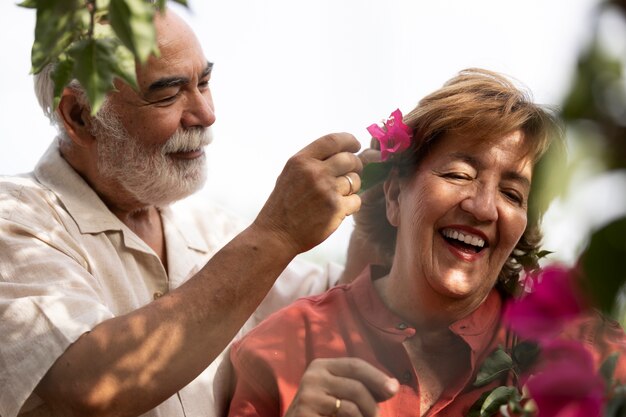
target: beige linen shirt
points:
(67, 263)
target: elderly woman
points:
(456, 213)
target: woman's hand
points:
(341, 387)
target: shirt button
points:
(402, 326)
(157, 294)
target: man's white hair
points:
(44, 91)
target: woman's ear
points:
(76, 117)
(392, 197)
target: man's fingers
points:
(343, 162)
(348, 184)
(331, 144)
(352, 204)
(369, 155)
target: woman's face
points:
(461, 214)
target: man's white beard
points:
(147, 172)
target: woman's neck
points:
(428, 312)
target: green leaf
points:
(490, 402)
(124, 63)
(525, 355)
(608, 368)
(103, 4)
(474, 410)
(543, 253)
(29, 4)
(497, 398)
(496, 365)
(603, 265)
(61, 76)
(94, 67)
(133, 23)
(183, 2)
(373, 173)
(57, 26)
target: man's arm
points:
(129, 364)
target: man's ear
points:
(392, 197)
(76, 117)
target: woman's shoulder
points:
(300, 323)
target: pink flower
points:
(567, 384)
(542, 313)
(394, 136)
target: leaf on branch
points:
(525, 355)
(58, 25)
(607, 370)
(373, 173)
(496, 365)
(490, 402)
(29, 4)
(132, 21)
(497, 398)
(603, 265)
(94, 67)
(124, 62)
(61, 76)
(103, 4)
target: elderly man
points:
(113, 303)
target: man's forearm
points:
(129, 364)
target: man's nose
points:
(199, 112)
(481, 203)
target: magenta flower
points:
(542, 313)
(394, 136)
(567, 384)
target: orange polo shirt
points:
(351, 320)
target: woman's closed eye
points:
(514, 196)
(458, 176)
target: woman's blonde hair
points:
(483, 105)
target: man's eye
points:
(203, 84)
(167, 100)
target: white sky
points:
(290, 71)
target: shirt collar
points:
(477, 329)
(81, 201)
(366, 300)
(89, 211)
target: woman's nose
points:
(481, 203)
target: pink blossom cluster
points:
(394, 137)
(564, 383)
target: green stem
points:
(91, 6)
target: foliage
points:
(547, 373)
(543, 374)
(93, 41)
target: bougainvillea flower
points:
(394, 136)
(542, 313)
(567, 384)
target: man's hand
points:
(362, 250)
(312, 195)
(341, 387)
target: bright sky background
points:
(287, 72)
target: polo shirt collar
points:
(476, 329)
